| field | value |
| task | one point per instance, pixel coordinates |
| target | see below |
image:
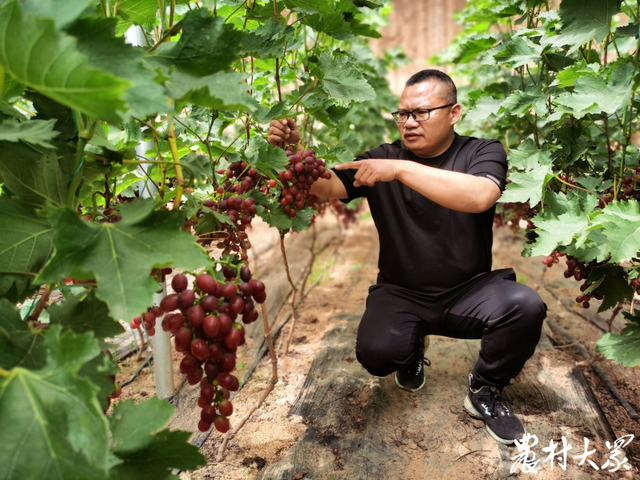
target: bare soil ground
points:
(328, 419)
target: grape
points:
(194, 377)
(136, 322)
(199, 349)
(203, 402)
(207, 392)
(245, 274)
(183, 339)
(211, 369)
(208, 414)
(157, 312)
(226, 394)
(228, 362)
(175, 320)
(215, 352)
(226, 323)
(151, 331)
(232, 339)
(169, 303)
(250, 317)
(206, 283)
(222, 424)
(235, 384)
(236, 305)
(211, 325)
(259, 297)
(229, 289)
(257, 285)
(226, 408)
(188, 364)
(186, 298)
(225, 380)
(179, 283)
(209, 303)
(203, 427)
(195, 315)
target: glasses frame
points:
(413, 114)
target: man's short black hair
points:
(451, 93)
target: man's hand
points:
(283, 132)
(371, 171)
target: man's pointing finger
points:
(344, 166)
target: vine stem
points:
(173, 145)
(312, 261)
(159, 162)
(575, 186)
(270, 386)
(615, 313)
(44, 298)
(292, 299)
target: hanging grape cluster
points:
(204, 322)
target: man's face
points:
(432, 137)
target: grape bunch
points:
(628, 190)
(149, 319)
(301, 172)
(510, 214)
(580, 271)
(204, 323)
(236, 170)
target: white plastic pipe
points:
(161, 345)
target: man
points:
(432, 196)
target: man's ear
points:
(456, 114)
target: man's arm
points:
(332, 188)
(454, 190)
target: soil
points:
(295, 423)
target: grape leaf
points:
(473, 47)
(36, 55)
(64, 13)
(583, 21)
(37, 132)
(621, 224)
(265, 158)
(52, 423)
(519, 102)
(220, 91)
(342, 80)
(614, 286)
(373, 4)
(207, 45)
(332, 24)
(275, 217)
(310, 6)
(50, 109)
(20, 345)
(268, 40)
(201, 166)
(98, 371)
(110, 54)
(591, 92)
(484, 107)
(623, 348)
(518, 51)
(120, 256)
(527, 186)
(568, 76)
(25, 246)
(34, 177)
(302, 220)
(142, 454)
(594, 248)
(85, 313)
(138, 12)
(528, 156)
(554, 228)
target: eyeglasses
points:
(422, 115)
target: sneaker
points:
(412, 378)
(488, 404)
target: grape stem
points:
(270, 386)
(44, 298)
(575, 186)
(292, 299)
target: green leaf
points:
(38, 56)
(528, 156)
(621, 224)
(623, 348)
(518, 51)
(64, 13)
(332, 24)
(25, 246)
(35, 177)
(207, 45)
(614, 286)
(20, 345)
(275, 217)
(50, 109)
(220, 91)
(37, 132)
(484, 107)
(52, 423)
(200, 164)
(583, 21)
(368, 3)
(148, 417)
(595, 247)
(85, 313)
(568, 76)
(268, 40)
(593, 93)
(142, 454)
(555, 228)
(138, 12)
(473, 47)
(120, 256)
(100, 372)
(302, 220)
(110, 54)
(310, 6)
(527, 186)
(342, 80)
(520, 102)
(265, 158)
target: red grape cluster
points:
(635, 284)
(510, 214)
(234, 172)
(629, 189)
(207, 333)
(149, 319)
(579, 271)
(302, 171)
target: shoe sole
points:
(424, 380)
(475, 413)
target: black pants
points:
(491, 306)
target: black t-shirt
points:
(425, 246)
